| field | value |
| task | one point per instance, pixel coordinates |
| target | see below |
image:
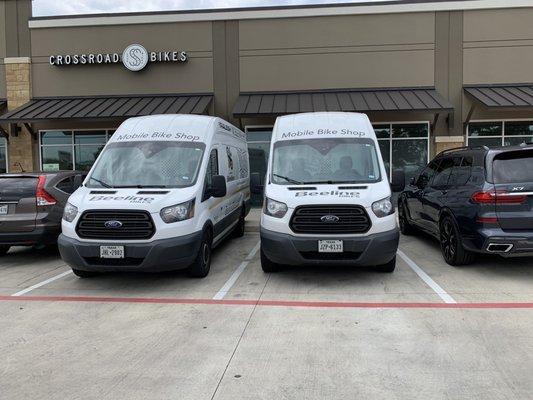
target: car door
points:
(416, 192)
(435, 195)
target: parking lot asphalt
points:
(427, 331)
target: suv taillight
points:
(43, 197)
(498, 197)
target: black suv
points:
(474, 200)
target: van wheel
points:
(4, 250)
(451, 246)
(202, 264)
(403, 216)
(84, 274)
(389, 267)
(267, 265)
(238, 231)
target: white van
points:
(327, 196)
(165, 190)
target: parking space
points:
(310, 333)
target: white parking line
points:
(38, 285)
(425, 277)
(233, 278)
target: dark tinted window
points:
(66, 185)
(461, 172)
(443, 173)
(17, 187)
(427, 175)
(516, 167)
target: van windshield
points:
(329, 161)
(167, 164)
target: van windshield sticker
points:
(130, 199)
(335, 193)
(321, 133)
(180, 136)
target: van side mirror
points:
(256, 186)
(218, 186)
(78, 180)
(398, 180)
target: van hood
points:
(151, 200)
(360, 194)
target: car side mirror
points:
(218, 186)
(398, 181)
(256, 187)
(412, 181)
(78, 180)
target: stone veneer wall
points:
(18, 90)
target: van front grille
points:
(345, 219)
(96, 224)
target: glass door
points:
(259, 150)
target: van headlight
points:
(70, 212)
(382, 208)
(275, 208)
(179, 212)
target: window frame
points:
(502, 121)
(73, 145)
(391, 138)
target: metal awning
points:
(106, 107)
(517, 96)
(355, 100)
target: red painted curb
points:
(271, 303)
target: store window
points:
(3, 155)
(64, 150)
(500, 133)
(404, 146)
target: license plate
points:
(330, 246)
(3, 209)
(111, 251)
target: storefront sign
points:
(134, 57)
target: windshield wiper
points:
(139, 186)
(104, 184)
(288, 179)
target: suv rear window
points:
(513, 167)
(17, 187)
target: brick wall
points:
(18, 90)
(447, 142)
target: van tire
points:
(84, 274)
(238, 231)
(451, 244)
(387, 268)
(202, 263)
(267, 265)
(4, 250)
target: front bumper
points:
(370, 250)
(522, 242)
(159, 255)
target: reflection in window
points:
(500, 133)
(67, 150)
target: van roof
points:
(303, 122)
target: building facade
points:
(431, 75)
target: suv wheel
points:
(202, 263)
(450, 243)
(4, 250)
(267, 265)
(403, 216)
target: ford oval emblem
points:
(329, 218)
(113, 224)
